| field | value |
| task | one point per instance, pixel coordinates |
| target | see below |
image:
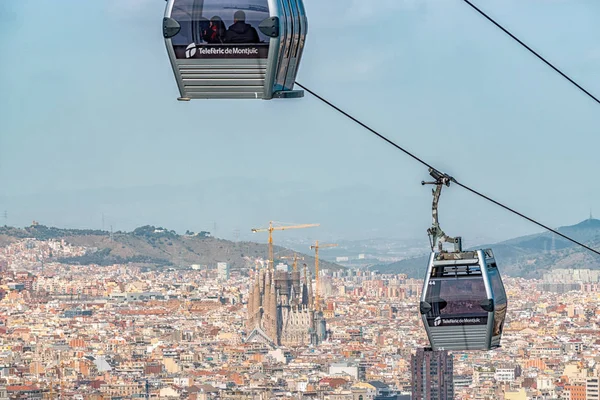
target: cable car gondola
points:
(235, 49)
(463, 301)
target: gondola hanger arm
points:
(436, 234)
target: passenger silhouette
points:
(215, 32)
(240, 31)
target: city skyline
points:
(186, 333)
(179, 296)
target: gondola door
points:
(500, 304)
(455, 306)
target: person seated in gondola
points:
(240, 31)
(215, 32)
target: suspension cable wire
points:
(532, 51)
(525, 217)
(330, 104)
(420, 160)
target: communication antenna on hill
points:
(236, 234)
(103, 222)
(591, 215)
(5, 215)
(111, 234)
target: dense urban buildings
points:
(127, 332)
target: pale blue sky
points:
(89, 111)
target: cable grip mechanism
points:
(435, 233)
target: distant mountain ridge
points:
(155, 247)
(222, 206)
(528, 256)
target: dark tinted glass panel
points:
(456, 296)
(497, 286)
(500, 298)
(220, 29)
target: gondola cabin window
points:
(220, 29)
(456, 296)
(500, 299)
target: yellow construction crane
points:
(295, 258)
(272, 228)
(317, 246)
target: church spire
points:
(304, 300)
(310, 292)
(292, 300)
(272, 305)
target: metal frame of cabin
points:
(466, 336)
(255, 78)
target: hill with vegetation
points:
(528, 256)
(154, 247)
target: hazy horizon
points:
(121, 209)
